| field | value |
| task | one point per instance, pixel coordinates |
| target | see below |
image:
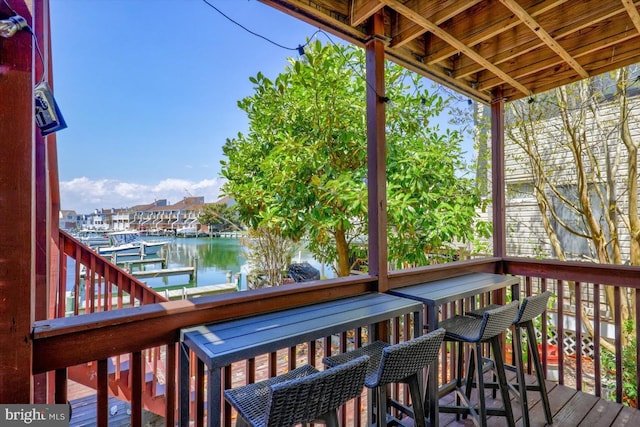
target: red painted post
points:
(17, 220)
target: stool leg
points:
(533, 345)
(381, 406)
(416, 401)
(331, 419)
(459, 375)
(502, 380)
(480, 380)
(471, 372)
(522, 385)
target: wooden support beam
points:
(17, 221)
(497, 173)
(530, 22)
(439, 32)
(633, 13)
(376, 154)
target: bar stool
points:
(530, 308)
(397, 363)
(302, 395)
(473, 330)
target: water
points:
(217, 259)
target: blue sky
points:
(148, 89)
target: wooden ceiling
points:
(478, 46)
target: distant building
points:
(157, 217)
(68, 220)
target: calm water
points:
(216, 259)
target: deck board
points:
(575, 410)
(603, 413)
(627, 417)
(84, 413)
(569, 408)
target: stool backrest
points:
(498, 320)
(400, 360)
(532, 307)
(303, 400)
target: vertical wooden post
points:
(497, 174)
(376, 153)
(43, 293)
(17, 217)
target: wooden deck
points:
(569, 407)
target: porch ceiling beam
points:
(530, 22)
(496, 24)
(633, 13)
(439, 32)
(436, 12)
(362, 10)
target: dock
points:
(164, 272)
(186, 293)
(127, 263)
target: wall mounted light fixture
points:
(10, 26)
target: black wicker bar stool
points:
(473, 330)
(302, 395)
(398, 363)
(530, 308)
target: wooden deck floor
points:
(569, 407)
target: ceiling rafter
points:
(633, 12)
(439, 32)
(583, 45)
(361, 10)
(481, 47)
(544, 36)
(436, 12)
(498, 23)
(528, 42)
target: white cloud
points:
(84, 195)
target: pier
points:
(127, 263)
(164, 272)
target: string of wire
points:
(35, 41)
(300, 48)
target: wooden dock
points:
(186, 293)
(128, 263)
(165, 272)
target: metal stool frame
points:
(302, 395)
(398, 363)
(530, 308)
(476, 331)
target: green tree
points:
(220, 216)
(574, 149)
(301, 167)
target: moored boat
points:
(93, 238)
(129, 243)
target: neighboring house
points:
(68, 220)
(525, 232)
(159, 216)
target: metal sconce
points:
(10, 26)
(48, 116)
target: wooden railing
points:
(581, 314)
(94, 338)
(97, 285)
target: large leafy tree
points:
(575, 147)
(301, 167)
(220, 216)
